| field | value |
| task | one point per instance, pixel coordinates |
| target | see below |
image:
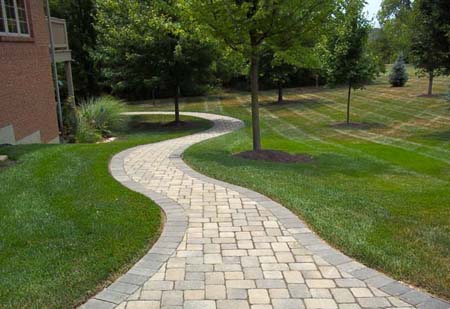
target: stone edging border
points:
(174, 230)
(173, 234)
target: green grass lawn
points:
(66, 225)
(380, 194)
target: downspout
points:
(55, 69)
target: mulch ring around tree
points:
(357, 125)
(274, 156)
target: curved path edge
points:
(176, 226)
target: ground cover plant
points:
(377, 192)
(67, 225)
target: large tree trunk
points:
(430, 83)
(177, 104)
(280, 93)
(254, 80)
(348, 101)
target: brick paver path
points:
(227, 247)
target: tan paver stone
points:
(199, 304)
(258, 296)
(235, 304)
(142, 304)
(279, 293)
(318, 303)
(194, 294)
(215, 292)
(361, 292)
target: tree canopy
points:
(344, 53)
(430, 49)
(80, 15)
(245, 25)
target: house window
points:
(13, 18)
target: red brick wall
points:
(27, 98)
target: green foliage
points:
(98, 117)
(344, 54)
(246, 25)
(398, 76)
(380, 45)
(275, 68)
(431, 39)
(79, 16)
(143, 46)
(243, 24)
(396, 21)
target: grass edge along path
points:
(67, 227)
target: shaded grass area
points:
(66, 225)
(379, 191)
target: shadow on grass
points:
(440, 136)
(358, 125)
(141, 124)
(14, 153)
(321, 165)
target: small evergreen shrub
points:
(398, 76)
(98, 117)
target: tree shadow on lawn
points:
(322, 165)
(139, 124)
(439, 136)
(358, 125)
(302, 103)
(15, 152)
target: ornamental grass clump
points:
(98, 118)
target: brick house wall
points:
(27, 101)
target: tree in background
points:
(430, 48)
(345, 55)
(396, 21)
(398, 76)
(277, 70)
(245, 25)
(188, 68)
(79, 15)
(303, 54)
(143, 46)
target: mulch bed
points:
(357, 125)
(274, 156)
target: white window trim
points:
(5, 21)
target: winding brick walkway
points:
(227, 247)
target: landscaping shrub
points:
(99, 117)
(398, 76)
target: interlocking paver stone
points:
(227, 247)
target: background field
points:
(379, 192)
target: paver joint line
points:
(225, 246)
